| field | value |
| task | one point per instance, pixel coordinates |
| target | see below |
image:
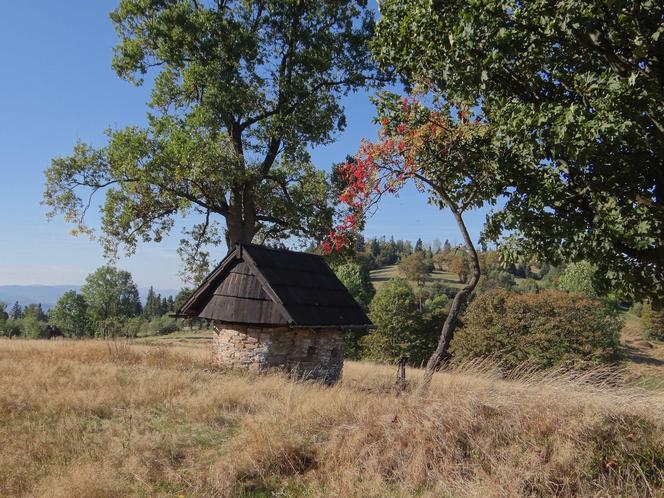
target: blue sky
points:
(58, 87)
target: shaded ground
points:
(644, 358)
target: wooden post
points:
(401, 383)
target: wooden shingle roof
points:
(261, 286)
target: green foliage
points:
(436, 305)
(414, 267)
(35, 311)
(358, 282)
(496, 279)
(543, 330)
(70, 315)
(10, 328)
(111, 295)
(574, 88)
(182, 296)
(402, 329)
(135, 326)
(162, 325)
(459, 265)
(579, 277)
(242, 90)
(16, 312)
(637, 308)
(652, 320)
(32, 328)
(356, 279)
(527, 285)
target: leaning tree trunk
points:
(458, 304)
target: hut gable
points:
(256, 285)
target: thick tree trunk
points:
(241, 219)
(458, 304)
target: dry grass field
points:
(94, 419)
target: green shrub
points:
(528, 285)
(357, 280)
(636, 308)
(33, 328)
(652, 320)
(495, 279)
(579, 278)
(135, 326)
(162, 325)
(403, 328)
(545, 330)
(10, 328)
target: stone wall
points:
(305, 353)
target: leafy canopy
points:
(241, 90)
(574, 88)
(70, 315)
(111, 293)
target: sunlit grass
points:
(95, 419)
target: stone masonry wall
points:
(305, 353)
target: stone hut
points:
(274, 308)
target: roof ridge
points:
(275, 249)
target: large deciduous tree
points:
(111, 296)
(576, 89)
(449, 154)
(242, 89)
(70, 315)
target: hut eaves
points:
(261, 286)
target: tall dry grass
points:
(94, 419)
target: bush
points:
(33, 328)
(162, 325)
(636, 308)
(652, 320)
(528, 285)
(495, 279)
(135, 326)
(545, 330)
(438, 288)
(579, 278)
(357, 280)
(402, 327)
(10, 328)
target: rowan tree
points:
(241, 90)
(449, 154)
(575, 88)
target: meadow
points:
(156, 418)
(386, 273)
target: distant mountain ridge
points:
(48, 295)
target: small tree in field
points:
(414, 267)
(111, 296)
(401, 327)
(70, 315)
(460, 267)
(448, 152)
